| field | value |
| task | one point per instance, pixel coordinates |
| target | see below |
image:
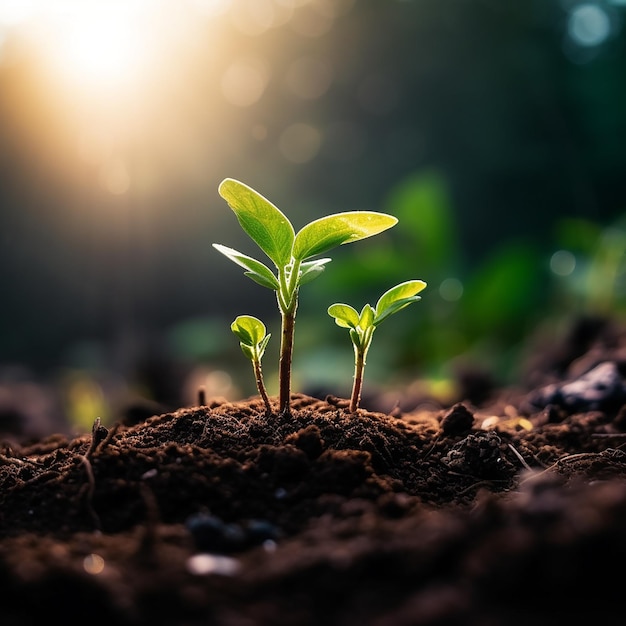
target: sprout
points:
(363, 325)
(292, 255)
(253, 341)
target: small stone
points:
(211, 534)
(258, 531)
(206, 564)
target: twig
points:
(520, 457)
(564, 459)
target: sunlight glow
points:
(211, 8)
(115, 177)
(102, 42)
(119, 84)
(14, 12)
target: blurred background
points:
(494, 130)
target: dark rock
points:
(599, 389)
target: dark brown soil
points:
(508, 512)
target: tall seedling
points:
(292, 255)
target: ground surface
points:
(511, 511)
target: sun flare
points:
(102, 47)
(102, 43)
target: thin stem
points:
(288, 304)
(361, 349)
(258, 374)
(286, 352)
(359, 366)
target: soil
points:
(506, 507)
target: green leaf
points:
(338, 229)
(257, 271)
(345, 316)
(263, 344)
(310, 270)
(249, 329)
(248, 351)
(397, 298)
(356, 337)
(265, 224)
(394, 308)
(366, 319)
(261, 280)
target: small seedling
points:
(363, 325)
(253, 341)
(268, 227)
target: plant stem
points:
(258, 374)
(287, 303)
(286, 352)
(359, 366)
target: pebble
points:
(205, 564)
(212, 535)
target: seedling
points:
(253, 341)
(362, 325)
(270, 229)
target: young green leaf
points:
(361, 326)
(397, 298)
(257, 271)
(310, 270)
(366, 319)
(252, 338)
(338, 229)
(264, 223)
(250, 330)
(345, 316)
(253, 341)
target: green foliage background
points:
(490, 129)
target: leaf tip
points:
(227, 185)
